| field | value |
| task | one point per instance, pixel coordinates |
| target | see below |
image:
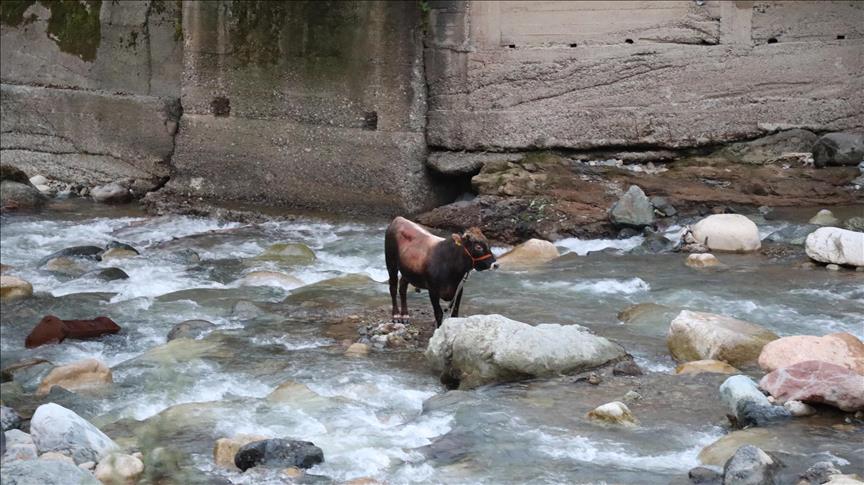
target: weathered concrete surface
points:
(127, 47)
(317, 104)
(503, 75)
(86, 136)
(89, 89)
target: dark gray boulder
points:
(9, 419)
(15, 195)
(750, 466)
(106, 274)
(633, 209)
(190, 329)
(278, 453)
(84, 252)
(839, 149)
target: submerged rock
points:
(702, 366)
(795, 234)
(700, 336)
(270, 278)
(119, 469)
(55, 428)
(799, 409)
(819, 473)
(107, 274)
(824, 218)
(288, 253)
(118, 253)
(727, 232)
(701, 260)
(838, 149)
(83, 375)
(633, 209)
(46, 472)
(835, 245)
(66, 266)
(532, 252)
(854, 224)
(615, 412)
(747, 403)
(14, 288)
(9, 419)
(491, 348)
(817, 382)
(83, 252)
(112, 193)
(190, 329)
(750, 466)
(842, 349)
(279, 453)
(704, 475)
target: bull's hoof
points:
(396, 318)
(406, 319)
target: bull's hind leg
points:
(403, 296)
(391, 255)
(436, 307)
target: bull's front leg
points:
(436, 307)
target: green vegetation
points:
(12, 11)
(74, 24)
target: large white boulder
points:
(701, 336)
(55, 428)
(491, 348)
(532, 252)
(727, 232)
(836, 246)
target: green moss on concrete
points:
(12, 11)
(74, 26)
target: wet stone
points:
(279, 453)
(190, 329)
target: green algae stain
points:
(74, 24)
(12, 11)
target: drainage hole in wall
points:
(370, 120)
(772, 40)
(574, 45)
(628, 41)
(841, 37)
(512, 46)
(220, 106)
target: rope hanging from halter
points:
(456, 295)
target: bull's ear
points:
(457, 239)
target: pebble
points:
(799, 409)
(594, 379)
(832, 267)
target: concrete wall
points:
(336, 105)
(318, 104)
(639, 74)
(89, 89)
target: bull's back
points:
(414, 244)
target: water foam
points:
(584, 246)
(604, 286)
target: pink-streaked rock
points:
(813, 381)
(842, 349)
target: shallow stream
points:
(385, 415)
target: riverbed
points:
(385, 415)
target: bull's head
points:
(477, 248)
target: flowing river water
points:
(385, 415)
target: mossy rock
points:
(288, 253)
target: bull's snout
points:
(495, 265)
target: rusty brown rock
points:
(54, 330)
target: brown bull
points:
(432, 263)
